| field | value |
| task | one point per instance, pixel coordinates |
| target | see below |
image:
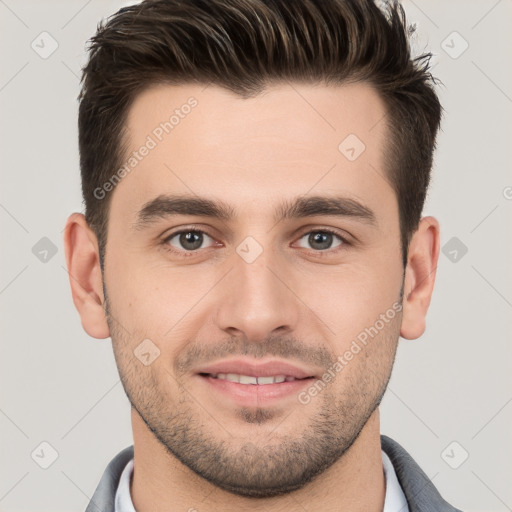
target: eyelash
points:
(192, 229)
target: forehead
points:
(289, 140)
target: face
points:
(289, 253)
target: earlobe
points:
(83, 266)
(420, 276)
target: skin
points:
(193, 447)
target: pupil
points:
(193, 238)
(323, 240)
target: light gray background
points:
(60, 386)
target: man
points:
(254, 173)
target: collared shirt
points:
(394, 502)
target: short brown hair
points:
(244, 45)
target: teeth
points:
(244, 379)
(266, 380)
(247, 379)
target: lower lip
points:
(256, 394)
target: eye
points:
(322, 239)
(188, 240)
(191, 240)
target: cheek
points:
(160, 303)
(142, 293)
(366, 351)
(350, 299)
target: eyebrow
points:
(165, 206)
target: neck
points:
(161, 483)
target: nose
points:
(258, 300)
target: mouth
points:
(255, 383)
(261, 380)
(233, 389)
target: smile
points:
(247, 379)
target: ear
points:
(83, 266)
(420, 275)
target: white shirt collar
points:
(123, 501)
(394, 502)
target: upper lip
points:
(254, 369)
